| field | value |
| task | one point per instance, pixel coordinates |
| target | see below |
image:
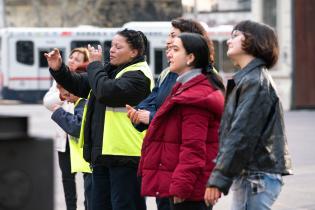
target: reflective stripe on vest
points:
(120, 137)
(78, 164)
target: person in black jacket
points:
(253, 152)
(108, 88)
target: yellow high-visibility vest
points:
(119, 135)
(78, 164)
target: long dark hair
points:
(197, 45)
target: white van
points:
(24, 71)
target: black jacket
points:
(252, 134)
(131, 88)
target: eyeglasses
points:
(236, 33)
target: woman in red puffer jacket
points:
(181, 143)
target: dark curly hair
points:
(136, 40)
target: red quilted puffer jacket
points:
(181, 143)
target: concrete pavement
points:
(297, 194)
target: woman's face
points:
(120, 51)
(173, 33)
(235, 45)
(76, 59)
(179, 60)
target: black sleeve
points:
(130, 88)
(76, 83)
(239, 143)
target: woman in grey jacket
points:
(253, 152)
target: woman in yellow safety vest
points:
(110, 142)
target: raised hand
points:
(95, 54)
(54, 59)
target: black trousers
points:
(68, 182)
(190, 205)
(163, 203)
(68, 179)
(116, 187)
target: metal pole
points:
(2, 14)
(195, 9)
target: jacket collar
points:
(190, 83)
(188, 75)
(248, 68)
(178, 88)
(114, 70)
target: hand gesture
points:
(95, 54)
(132, 114)
(143, 116)
(178, 200)
(54, 59)
(212, 195)
(63, 93)
(55, 107)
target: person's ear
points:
(134, 53)
(190, 59)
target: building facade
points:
(103, 13)
(278, 14)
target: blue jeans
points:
(116, 188)
(255, 191)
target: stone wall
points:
(103, 13)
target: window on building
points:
(147, 53)
(107, 46)
(216, 55)
(160, 61)
(25, 52)
(227, 64)
(221, 60)
(269, 12)
(245, 4)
